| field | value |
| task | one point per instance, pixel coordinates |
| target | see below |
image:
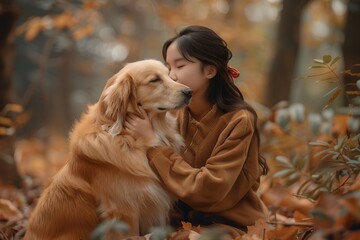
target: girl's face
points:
(186, 72)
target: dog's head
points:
(146, 83)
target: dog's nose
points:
(187, 93)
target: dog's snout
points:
(187, 93)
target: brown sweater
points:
(218, 172)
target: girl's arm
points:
(226, 178)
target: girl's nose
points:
(172, 75)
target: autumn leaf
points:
(332, 99)
(259, 229)
(88, 5)
(184, 235)
(8, 211)
(35, 26)
(353, 235)
(186, 225)
(279, 196)
(64, 20)
(5, 121)
(12, 107)
(83, 32)
(283, 233)
(330, 214)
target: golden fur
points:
(108, 175)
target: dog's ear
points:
(119, 92)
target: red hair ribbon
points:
(233, 72)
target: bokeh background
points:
(299, 62)
(68, 49)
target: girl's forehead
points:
(173, 53)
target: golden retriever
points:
(107, 175)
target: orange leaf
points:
(186, 225)
(83, 32)
(332, 98)
(353, 235)
(5, 121)
(283, 233)
(259, 229)
(64, 20)
(88, 5)
(8, 210)
(35, 26)
(12, 107)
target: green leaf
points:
(320, 74)
(334, 60)
(319, 61)
(326, 59)
(317, 154)
(304, 186)
(319, 143)
(356, 137)
(331, 91)
(213, 234)
(291, 181)
(109, 225)
(294, 176)
(160, 233)
(283, 173)
(284, 160)
(328, 80)
(317, 66)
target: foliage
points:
(110, 229)
(328, 74)
(9, 119)
(160, 233)
(321, 162)
(76, 20)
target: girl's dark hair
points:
(209, 48)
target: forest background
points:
(56, 55)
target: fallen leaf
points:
(259, 229)
(8, 211)
(283, 233)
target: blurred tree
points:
(8, 15)
(351, 44)
(286, 51)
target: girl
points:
(217, 174)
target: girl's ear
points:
(210, 71)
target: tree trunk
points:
(8, 15)
(286, 50)
(351, 45)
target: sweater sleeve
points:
(227, 175)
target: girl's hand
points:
(140, 127)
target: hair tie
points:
(233, 72)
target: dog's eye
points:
(155, 80)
